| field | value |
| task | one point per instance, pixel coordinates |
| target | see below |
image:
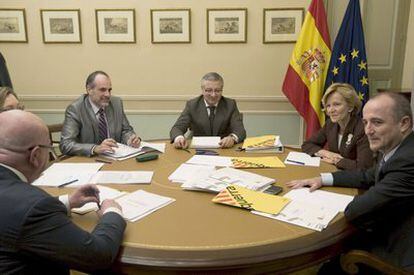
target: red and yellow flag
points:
(305, 77)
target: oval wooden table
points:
(195, 234)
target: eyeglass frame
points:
(211, 91)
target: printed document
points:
(122, 177)
(186, 172)
(303, 159)
(123, 152)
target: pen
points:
(297, 162)
(188, 151)
(103, 160)
(67, 183)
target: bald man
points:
(36, 234)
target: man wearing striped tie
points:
(96, 121)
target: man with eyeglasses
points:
(36, 233)
(96, 122)
(210, 114)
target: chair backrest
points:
(53, 129)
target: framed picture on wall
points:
(115, 26)
(282, 25)
(171, 26)
(13, 25)
(227, 25)
(61, 26)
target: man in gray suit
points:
(385, 212)
(210, 114)
(37, 235)
(96, 121)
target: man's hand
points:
(313, 183)
(180, 143)
(226, 142)
(84, 194)
(134, 141)
(107, 204)
(106, 146)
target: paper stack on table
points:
(303, 159)
(123, 152)
(263, 144)
(186, 172)
(237, 162)
(205, 142)
(313, 210)
(217, 180)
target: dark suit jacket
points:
(386, 209)
(356, 153)
(37, 236)
(4, 73)
(226, 121)
(80, 129)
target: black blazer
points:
(37, 236)
(386, 210)
(5, 80)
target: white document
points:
(303, 159)
(63, 173)
(331, 200)
(122, 177)
(104, 194)
(147, 146)
(205, 142)
(187, 171)
(210, 160)
(140, 203)
(122, 152)
(217, 180)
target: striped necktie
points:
(103, 127)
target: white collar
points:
(16, 172)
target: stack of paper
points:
(298, 158)
(218, 180)
(186, 172)
(312, 210)
(59, 174)
(237, 162)
(104, 194)
(140, 203)
(205, 142)
(122, 177)
(263, 144)
(123, 151)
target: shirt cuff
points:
(235, 137)
(178, 137)
(93, 148)
(327, 179)
(113, 209)
(65, 200)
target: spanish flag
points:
(305, 77)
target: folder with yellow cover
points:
(263, 144)
(257, 162)
(244, 198)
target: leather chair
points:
(54, 128)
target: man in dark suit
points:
(385, 212)
(210, 114)
(96, 121)
(36, 233)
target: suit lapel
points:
(218, 119)
(109, 112)
(92, 119)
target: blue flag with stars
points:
(348, 60)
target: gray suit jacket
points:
(80, 129)
(37, 236)
(386, 210)
(227, 119)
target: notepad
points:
(205, 142)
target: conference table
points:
(196, 235)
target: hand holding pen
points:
(84, 194)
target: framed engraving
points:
(171, 26)
(13, 25)
(227, 25)
(61, 26)
(282, 25)
(115, 26)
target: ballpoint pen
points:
(295, 161)
(67, 183)
(188, 151)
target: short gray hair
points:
(401, 106)
(212, 76)
(90, 80)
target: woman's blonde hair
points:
(4, 93)
(349, 94)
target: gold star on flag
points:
(335, 70)
(342, 58)
(362, 65)
(364, 81)
(361, 96)
(354, 54)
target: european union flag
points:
(348, 60)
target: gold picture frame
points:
(227, 25)
(13, 27)
(170, 26)
(115, 25)
(282, 25)
(61, 26)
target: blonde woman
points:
(342, 140)
(8, 100)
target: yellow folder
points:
(257, 162)
(238, 196)
(260, 142)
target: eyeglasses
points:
(211, 91)
(8, 108)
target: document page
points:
(187, 171)
(210, 160)
(122, 177)
(205, 142)
(299, 158)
